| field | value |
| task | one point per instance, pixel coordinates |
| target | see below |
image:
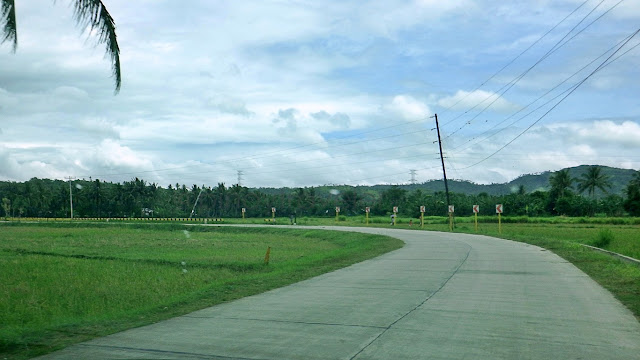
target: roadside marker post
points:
(267, 255)
(337, 212)
(422, 211)
(476, 210)
(367, 210)
(499, 210)
(451, 210)
(243, 211)
(273, 213)
(395, 214)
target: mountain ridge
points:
(618, 177)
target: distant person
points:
(393, 219)
(410, 222)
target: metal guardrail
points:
(172, 219)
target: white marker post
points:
(243, 211)
(273, 213)
(337, 212)
(395, 214)
(367, 210)
(422, 211)
(451, 210)
(476, 210)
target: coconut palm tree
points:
(90, 13)
(561, 182)
(592, 179)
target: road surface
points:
(442, 296)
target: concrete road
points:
(442, 296)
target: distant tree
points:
(299, 201)
(559, 200)
(350, 199)
(91, 13)
(632, 204)
(6, 206)
(593, 179)
(561, 183)
(394, 196)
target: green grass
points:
(65, 283)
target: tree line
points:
(137, 198)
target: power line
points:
(517, 57)
(545, 94)
(504, 89)
(574, 88)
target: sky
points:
(307, 93)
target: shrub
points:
(605, 237)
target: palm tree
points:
(632, 204)
(593, 179)
(91, 13)
(561, 182)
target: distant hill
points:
(532, 182)
(619, 179)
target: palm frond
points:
(94, 14)
(8, 18)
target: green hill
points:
(619, 179)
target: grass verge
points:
(66, 283)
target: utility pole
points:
(70, 194)
(196, 203)
(413, 176)
(444, 172)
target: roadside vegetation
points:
(589, 193)
(67, 282)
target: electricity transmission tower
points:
(413, 177)
(240, 173)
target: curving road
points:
(442, 296)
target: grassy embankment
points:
(66, 283)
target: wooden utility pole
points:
(444, 172)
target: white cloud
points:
(605, 132)
(408, 108)
(111, 154)
(222, 83)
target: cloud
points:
(229, 105)
(605, 132)
(340, 120)
(550, 147)
(227, 80)
(465, 100)
(113, 155)
(408, 108)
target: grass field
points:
(65, 283)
